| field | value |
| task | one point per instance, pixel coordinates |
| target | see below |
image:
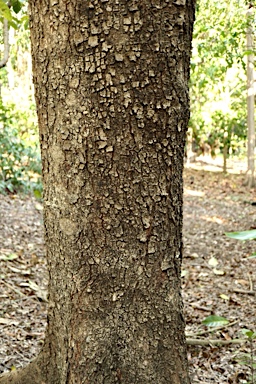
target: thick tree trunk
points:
(111, 81)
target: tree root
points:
(30, 374)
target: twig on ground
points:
(214, 341)
(206, 309)
(250, 282)
(211, 330)
(13, 288)
(253, 293)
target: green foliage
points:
(9, 10)
(5, 10)
(248, 359)
(248, 333)
(245, 359)
(215, 321)
(20, 166)
(243, 235)
(17, 5)
(9, 257)
(218, 81)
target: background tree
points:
(111, 81)
(7, 11)
(218, 78)
(19, 149)
(250, 98)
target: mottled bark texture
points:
(111, 81)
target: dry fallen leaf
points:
(218, 272)
(224, 297)
(213, 262)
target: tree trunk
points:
(111, 82)
(250, 102)
(225, 157)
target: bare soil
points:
(218, 278)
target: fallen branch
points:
(250, 281)
(200, 307)
(13, 288)
(211, 330)
(214, 341)
(253, 293)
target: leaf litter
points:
(218, 279)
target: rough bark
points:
(111, 81)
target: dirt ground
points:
(218, 278)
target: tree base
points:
(33, 373)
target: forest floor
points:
(218, 278)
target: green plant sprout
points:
(248, 359)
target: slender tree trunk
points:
(6, 52)
(111, 81)
(250, 103)
(225, 156)
(190, 154)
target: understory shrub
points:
(20, 163)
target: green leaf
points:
(10, 257)
(248, 52)
(16, 5)
(14, 23)
(250, 334)
(244, 235)
(25, 21)
(215, 321)
(37, 194)
(5, 11)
